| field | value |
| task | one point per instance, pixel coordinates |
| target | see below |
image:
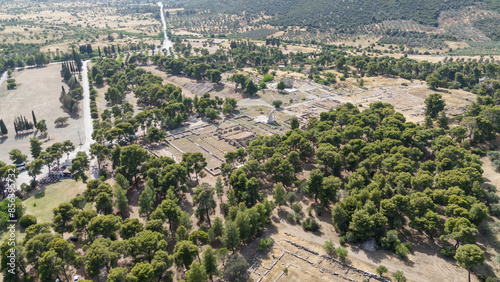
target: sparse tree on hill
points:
(469, 256)
(281, 85)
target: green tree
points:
(146, 200)
(231, 237)
(102, 253)
(131, 159)
(184, 253)
(155, 134)
(17, 157)
(130, 228)
(239, 79)
(329, 247)
(142, 272)
(281, 85)
(279, 195)
(35, 147)
(294, 123)
(99, 151)
(81, 221)
(236, 268)
(63, 215)
(341, 252)
(105, 226)
(143, 246)
(196, 273)
(277, 103)
(41, 126)
(381, 270)
(399, 276)
(117, 274)
(315, 183)
(203, 199)
(250, 87)
(104, 203)
(434, 104)
(209, 261)
(469, 256)
(121, 200)
(433, 82)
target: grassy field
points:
(42, 203)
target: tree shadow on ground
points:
(22, 136)
(3, 139)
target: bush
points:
(290, 217)
(298, 217)
(493, 155)
(329, 247)
(478, 152)
(448, 251)
(496, 164)
(268, 78)
(11, 86)
(495, 210)
(310, 224)
(350, 237)
(402, 250)
(341, 252)
(297, 207)
(27, 220)
(342, 240)
(265, 243)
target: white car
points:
(76, 278)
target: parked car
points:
(76, 278)
(20, 165)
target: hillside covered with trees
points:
(340, 14)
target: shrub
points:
(342, 240)
(310, 224)
(329, 247)
(290, 217)
(381, 270)
(267, 78)
(27, 220)
(297, 207)
(298, 217)
(493, 155)
(341, 252)
(448, 251)
(496, 164)
(265, 243)
(495, 210)
(350, 237)
(11, 86)
(402, 250)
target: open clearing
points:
(38, 90)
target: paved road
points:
(167, 44)
(86, 140)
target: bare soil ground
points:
(38, 90)
(422, 265)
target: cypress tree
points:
(34, 118)
(3, 128)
